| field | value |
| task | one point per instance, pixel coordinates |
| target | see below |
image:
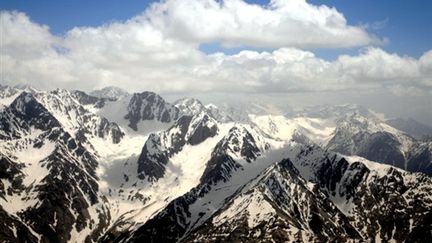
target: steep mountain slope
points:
(382, 202)
(149, 106)
(420, 158)
(233, 162)
(277, 206)
(191, 106)
(53, 176)
(175, 158)
(88, 101)
(313, 196)
(160, 147)
(412, 127)
(7, 95)
(375, 140)
(77, 120)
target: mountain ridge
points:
(73, 168)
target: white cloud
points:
(150, 52)
(426, 62)
(29, 40)
(28, 52)
(282, 23)
(376, 65)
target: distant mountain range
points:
(110, 166)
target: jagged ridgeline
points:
(110, 166)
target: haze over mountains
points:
(109, 166)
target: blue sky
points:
(407, 24)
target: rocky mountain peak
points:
(149, 106)
(159, 147)
(26, 107)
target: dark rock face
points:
(149, 106)
(331, 174)
(11, 172)
(219, 168)
(154, 155)
(86, 99)
(420, 159)
(357, 135)
(152, 161)
(393, 219)
(411, 127)
(249, 149)
(160, 147)
(25, 107)
(179, 138)
(238, 141)
(64, 196)
(383, 202)
(13, 230)
(23, 113)
(382, 147)
(28, 107)
(164, 227)
(102, 128)
(107, 128)
(202, 131)
(294, 208)
(70, 105)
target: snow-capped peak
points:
(110, 92)
(189, 106)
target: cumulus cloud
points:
(159, 51)
(376, 65)
(290, 69)
(29, 40)
(294, 23)
(29, 53)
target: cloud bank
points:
(159, 50)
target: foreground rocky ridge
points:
(313, 195)
(70, 174)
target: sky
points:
(375, 53)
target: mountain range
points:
(110, 166)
